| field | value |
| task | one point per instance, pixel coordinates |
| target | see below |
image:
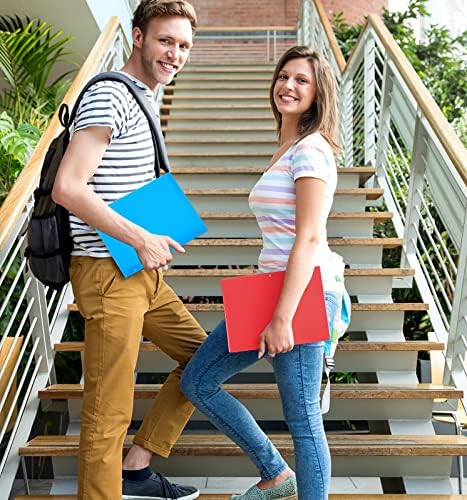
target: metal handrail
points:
(389, 120)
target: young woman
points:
(291, 202)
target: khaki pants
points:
(117, 312)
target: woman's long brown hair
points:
(322, 115)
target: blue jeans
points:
(298, 375)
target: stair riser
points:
(207, 255)
(227, 76)
(221, 100)
(246, 113)
(241, 466)
(239, 204)
(249, 229)
(210, 286)
(221, 160)
(218, 135)
(341, 409)
(200, 122)
(361, 362)
(220, 82)
(222, 147)
(209, 90)
(243, 181)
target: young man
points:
(111, 154)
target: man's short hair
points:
(147, 9)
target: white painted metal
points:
(38, 315)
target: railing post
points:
(346, 120)
(41, 331)
(385, 119)
(370, 101)
(455, 369)
(415, 194)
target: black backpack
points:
(49, 240)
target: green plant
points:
(29, 51)
(440, 59)
(16, 145)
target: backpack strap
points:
(161, 160)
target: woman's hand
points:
(277, 337)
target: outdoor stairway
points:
(220, 136)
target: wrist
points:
(281, 319)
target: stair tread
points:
(246, 128)
(226, 96)
(332, 215)
(248, 242)
(344, 346)
(270, 391)
(337, 496)
(253, 170)
(215, 106)
(370, 193)
(378, 271)
(214, 87)
(227, 119)
(219, 445)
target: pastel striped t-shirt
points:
(273, 202)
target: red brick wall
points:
(246, 12)
(274, 12)
(355, 10)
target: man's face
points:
(165, 46)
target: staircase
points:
(220, 135)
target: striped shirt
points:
(128, 161)
(273, 202)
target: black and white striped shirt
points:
(128, 161)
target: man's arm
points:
(70, 190)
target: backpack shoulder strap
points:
(160, 152)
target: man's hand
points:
(154, 251)
(277, 337)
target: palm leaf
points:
(27, 58)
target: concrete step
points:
(218, 177)
(339, 496)
(228, 99)
(235, 134)
(351, 356)
(236, 199)
(200, 91)
(224, 110)
(340, 224)
(206, 282)
(349, 402)
(356, 252)
(378, 455)
(194, 121)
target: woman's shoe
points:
(284, 491)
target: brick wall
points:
(355, 10)
(274, 12)
(246, 12)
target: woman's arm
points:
(277, 337)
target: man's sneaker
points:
(157, 487)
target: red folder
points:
(250, 301)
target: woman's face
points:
(295, 88)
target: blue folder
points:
(160, 207)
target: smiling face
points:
(295, 88)
(164, 48)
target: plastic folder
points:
(160, 207)
(250, 301)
